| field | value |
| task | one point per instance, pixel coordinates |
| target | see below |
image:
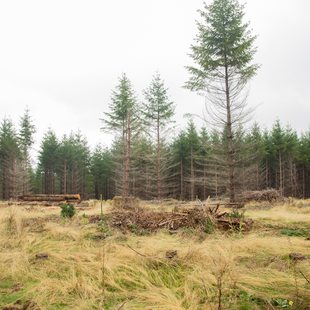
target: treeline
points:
(147, 159)
(187, 166)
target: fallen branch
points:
(304, 276)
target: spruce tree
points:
(10, 156)
(48, 162)
(158, 112)
(304, 164)
(26, 140)
(124, 120)
(193, 146)
(101, 167)
(223, 54)
(204, 161)
(179, 152)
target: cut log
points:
(51, 198)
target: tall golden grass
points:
(233, 270)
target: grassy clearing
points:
(92, 267)
(289, 213)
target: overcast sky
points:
(62, 58)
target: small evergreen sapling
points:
(67, 210)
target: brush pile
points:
(269, 195)
(150, 221)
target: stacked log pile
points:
(50, 198)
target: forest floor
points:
(47, 262)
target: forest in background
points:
(222, 159)
(190, 165)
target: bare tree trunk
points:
(4, 177)
(127, 157)
(181, 180)
(257, 177)
(192, 175)
(53, 183)
(72, 181)
(13, 193)
(231, 151)
(267, 173)
(65, 178)
(204, 182)
(303, 183)
(216, 183)
(46, 182)
(124, 158)
(280, 174)
(291, 178)
(158, 168)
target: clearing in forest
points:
(49, 262)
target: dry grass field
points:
(47, 262)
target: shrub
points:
(67, 210)
(236, 214)
(104, 229)
(209, 226)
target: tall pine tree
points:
(158, 111)
(124, 120)
(26, 140)
(223, 55)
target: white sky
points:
(62, 58)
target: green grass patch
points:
(11, 292)
(295, 232)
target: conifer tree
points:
(159, 111)
(223, 55)
(9, 159)
(204, 162)
(303, 161)
(193, 146)
(101, 167)
(26, 140)
(143, 173)
(73, 164)
(48, 162)
(124, 120)
(179, 151)
(255, 152)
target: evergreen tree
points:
(101, 167)
(255, 153)
(303, 161)
(203, 162)
(193, 145)
(159, 111)
(143, 173)
(179, 151)
(81, 165)
(26, 140)
(26, 133)
(73, 164)
(9, 160)
(48, 162)
(223, 55)
(124, 119)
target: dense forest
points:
(185, 166)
